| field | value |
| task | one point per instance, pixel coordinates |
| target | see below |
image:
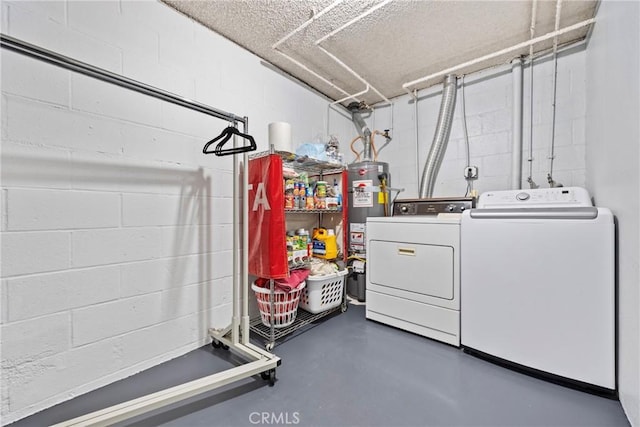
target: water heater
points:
(366, 181)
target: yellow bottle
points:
(324, 244)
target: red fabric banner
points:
(267, 239)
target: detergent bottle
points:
(324, 243)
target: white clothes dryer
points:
(413, 268)
(537, 293)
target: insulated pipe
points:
(500, 52)
(356, 75)
(516, 154)
(353, 21)
(313, 73)
(353, 96)
(336, 59)
(300, 64)
(306, 23)
(441, 137)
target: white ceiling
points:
(397, 42)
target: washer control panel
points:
(536, 198)
(431, 206)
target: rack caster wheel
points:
(217, 344)
(270, 376)
(269, 346)
(344, 308)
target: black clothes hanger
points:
(225, 136)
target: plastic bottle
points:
(324, 243)
(336, 192)
(310, 202)
(331, 149)
(303, 242)
(321, 188)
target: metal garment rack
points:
(236, 335)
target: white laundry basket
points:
(285, 305)
(323, 292)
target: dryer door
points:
(418, 268)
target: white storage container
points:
(323, 292)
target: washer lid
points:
(560, 197)
(536, 213)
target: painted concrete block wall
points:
(488, 105)
(116, 230)
(613, 164)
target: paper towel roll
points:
(280, 136)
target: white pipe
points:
(341, 63)
(346, 67)
(353, 21)
(300, 64)
(516, 154)
(307, 23)
(415, 108)
(532, 27)
(552, 183)
(366, 89)
(502, 52)
(557, 26)
(532, 33)
(307, 69)
(465, 131)
(313, 73)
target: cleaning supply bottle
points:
(324, 243)
(336, 192)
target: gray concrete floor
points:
(347, 371)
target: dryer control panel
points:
(431, 206)
(559, 197)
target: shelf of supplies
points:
(303, 318)
(318, 170)
(314, 211)
(303, 163)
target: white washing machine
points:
(413, 268)
(538, 285)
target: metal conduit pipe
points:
(516, 156)
(441, 137)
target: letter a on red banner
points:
(267, 240)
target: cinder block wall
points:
(489, 98)
(116, 230)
